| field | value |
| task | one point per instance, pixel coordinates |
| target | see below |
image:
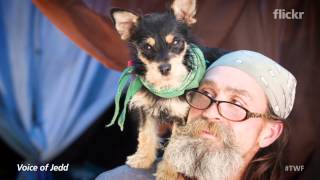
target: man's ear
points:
(270, 133)
(185, 10)
(124, 22)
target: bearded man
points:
(236, 127)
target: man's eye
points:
(237, 102)
(208, 93)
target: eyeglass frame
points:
(249, 114)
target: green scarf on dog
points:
(192, 80)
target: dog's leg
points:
(148, 143)
(165, 171)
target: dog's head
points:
(159, 42)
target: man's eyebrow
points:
(209, 83)
(228, 88)
(238, 91)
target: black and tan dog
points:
(159, 48)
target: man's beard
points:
(201, 158)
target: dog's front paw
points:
(165, 171)
(165, 176)
(140, 161)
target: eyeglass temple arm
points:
(266, 115)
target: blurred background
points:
(60, 61)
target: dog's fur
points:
(159, 48)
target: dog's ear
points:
(185, 10)
(124, 22)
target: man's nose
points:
(212, 113)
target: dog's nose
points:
(165, 69)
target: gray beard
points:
(199, 157)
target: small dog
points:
(159, 44)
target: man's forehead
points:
(234, 80)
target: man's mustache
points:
(195, 127)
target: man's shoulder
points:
(127, 173)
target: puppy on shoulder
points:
(160, 46)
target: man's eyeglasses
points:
(228, 110)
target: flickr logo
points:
(285, 14)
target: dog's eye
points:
(177, 43)
(147, 47)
